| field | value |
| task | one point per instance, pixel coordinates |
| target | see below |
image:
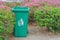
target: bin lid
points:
(20, 8)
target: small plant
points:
(31, 13)
(6, 22)
(48, 17)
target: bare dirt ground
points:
(36, 34)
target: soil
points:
(38, 34)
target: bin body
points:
(21, 26)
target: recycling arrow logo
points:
(20, 22)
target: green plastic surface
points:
(21, 26)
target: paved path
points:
(35, 34)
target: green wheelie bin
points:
(21, 26)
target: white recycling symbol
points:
(20, 22)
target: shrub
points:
(6, 22)
(31, 13)
(48, 17)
